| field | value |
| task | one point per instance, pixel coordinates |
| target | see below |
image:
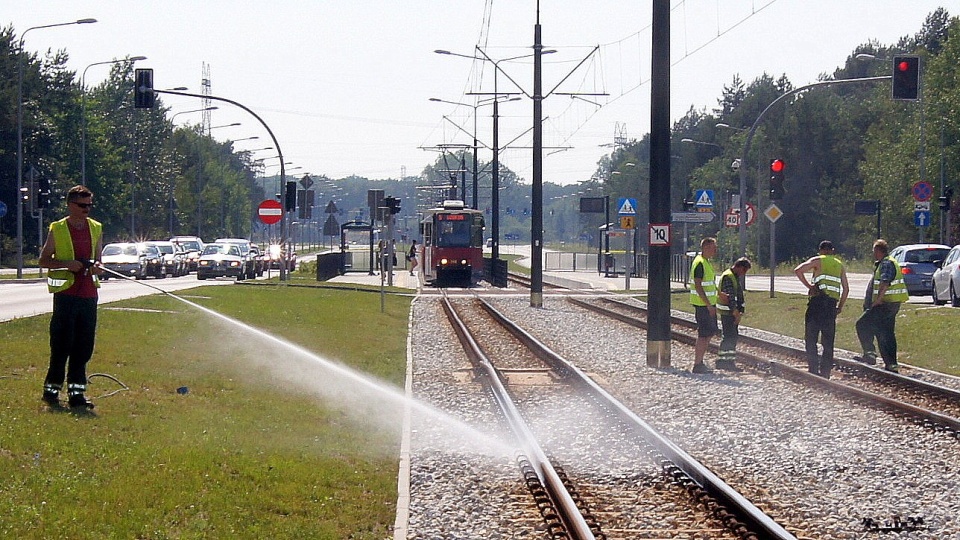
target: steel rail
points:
(744, 510)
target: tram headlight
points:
(444, 261)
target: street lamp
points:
(20, 136)
(255, 137)
(728, 126)
(193, 111)
(83, 112)
(704, 143)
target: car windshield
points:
(113, 249)
(165, 248)
(925, 255)
(189, 245)
(217, 249)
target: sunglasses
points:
(84, 204)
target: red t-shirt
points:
(83, 286)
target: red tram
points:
(452, 245)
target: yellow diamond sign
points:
(773, 213)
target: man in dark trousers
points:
(72, 253)
(881, 305)
(730, 303)
(828, 291)
(703, 298)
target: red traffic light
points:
(903, 65)
(776, 165)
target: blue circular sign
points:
(3, 209)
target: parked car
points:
(173, 259)
(917, 265)
(221, 259)
(946, 279)
(249, 256)
(192, 246)
(136, 260)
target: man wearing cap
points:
(880, 307)
(828, 292)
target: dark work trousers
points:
(820, 322)
(73, 328)
(731, 332)
(880, 322)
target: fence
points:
(613, 264)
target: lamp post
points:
(192, 111)
(172, 118)
(200, 178)
(83, 112)
(20, 136)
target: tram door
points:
(427, 265)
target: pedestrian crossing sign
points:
(704, 198)
(627, 207)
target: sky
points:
(345, 86)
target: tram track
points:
(518, 359)
(915, 394)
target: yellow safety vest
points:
(727, 307)
(61, 279)
(709, 282)
(897, 291)
(829, 279)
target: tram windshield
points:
(453, 230)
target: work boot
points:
(77, 401)
(51, 394)
(868, 358)
(893, 368)
(701, 369)
(51, 398)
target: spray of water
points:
(362, 397)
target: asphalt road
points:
(29, 297)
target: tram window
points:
(453, 233)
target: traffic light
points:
(945, 198)
(43, 193)
(143, 96)
(393, 204)
(777, 189)
(290, 197)
(906, 77)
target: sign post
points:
(627, 209)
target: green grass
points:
(927, 336)
(245, 453)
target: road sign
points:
(306, 181)
(3, 209)
(921, 218)
(627, 222)
(921, 206)
(734, 221)
(627, 207)
(773, 213)
(703, 198)
(692, 217)
(731, 219)
(270, 211)
(659, 234)
(922, 191)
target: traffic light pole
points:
(746, 146)
(284, 272)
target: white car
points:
(946, 279)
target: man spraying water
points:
(72, 253)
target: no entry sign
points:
(270, 211)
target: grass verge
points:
(255, 448)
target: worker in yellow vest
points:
(72, 253)
(730, 306)
(703, 297)
(828, 290)
(881, 305)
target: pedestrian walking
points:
(730, 304)
(703, 297)
(881, 304)
(412, 256)
(72, 254)
(828, 290)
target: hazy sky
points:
(345, 85)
